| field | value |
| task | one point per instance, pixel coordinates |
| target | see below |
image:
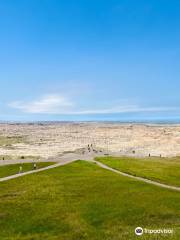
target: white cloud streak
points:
(58, 104)
(49, 104)
(126, 109)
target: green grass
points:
(14, 168)
(82, 201)
(165, 170)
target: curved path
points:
(68, 158)
(137, 178)
(36, 171)
(58, 161)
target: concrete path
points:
(136, 178)
(36, 171)
(71, 157)
(55, 159)
(58, 161)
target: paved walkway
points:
(58, 161)
(68, 158)
(55, 159)
(36, 171)
(137, 178)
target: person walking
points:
(20, 169)
(34, 166)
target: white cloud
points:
(58, 104)
(50, 104)
(124, 109)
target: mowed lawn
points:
(83, 201)
(165, 170)
(12, 169)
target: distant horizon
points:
(160, 121)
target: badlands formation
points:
(51, 139)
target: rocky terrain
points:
(51, 139)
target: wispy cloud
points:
(58, 104)
(126, 109)
(49, 104)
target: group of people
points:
(90, 147)
(21, 168)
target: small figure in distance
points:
(160, 155)
(34, 166)
(149, 154)
(20, 169)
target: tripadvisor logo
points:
(138, 231)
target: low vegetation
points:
(82, 201)
(165, 170)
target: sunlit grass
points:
(165, 170)
(12, 169)
(83, 201)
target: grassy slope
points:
(159, 169)
(14, 168)
(82, 201)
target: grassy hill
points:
(165, 170)
(82, 201)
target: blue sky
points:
(89, 60)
